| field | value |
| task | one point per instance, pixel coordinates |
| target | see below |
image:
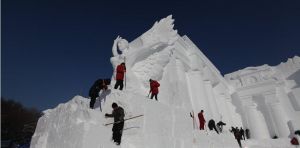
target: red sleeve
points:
(157, 84)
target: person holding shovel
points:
(118, 125)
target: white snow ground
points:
(189, 82)
(74, 125)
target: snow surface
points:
(264, 99)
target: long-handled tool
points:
(124, 120)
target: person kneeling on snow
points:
(295, 139)
(118, 115)
(220, 125)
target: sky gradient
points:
(53, 50)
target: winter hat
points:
(114, 105)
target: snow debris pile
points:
(263, 99)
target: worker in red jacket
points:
(201, 120)
(154, 88)
(121, 69)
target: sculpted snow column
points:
(256, 122)
(196, 63)
(212, 100)
(278, 114)
(225, 111)
(183, 92)
(198, 94)
(228, 105)
(286, 103)
(197, 88)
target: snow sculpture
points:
(264, 99)
(270, 88)
(123, 46)
(161, 34)
(159, 38)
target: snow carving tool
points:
(125, 72)
(192, 115)
(124, 120)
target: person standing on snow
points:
(153, 88)
(247, 132)
(121, 69)
(201, 120)
(242, 133)
(118, 115)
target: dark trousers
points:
(119, 83)
(202, 125)
(243, 136)
(92, 102)
(239, 142)
(152, 95)
(117, 132)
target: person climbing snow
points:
(95, 89)
(120, 70)
(201, 120)
(212, 125)
(238, 136)
(117, 129)
(153, 88)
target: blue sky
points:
(53, 50)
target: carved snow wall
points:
(268, 98)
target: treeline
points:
(17, 122)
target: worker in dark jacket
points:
(118, 115)
(247, 132)
(242, 133)
(121, 69)
(153, 88)
(238, 136)
(95, 89)
(212, 125)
